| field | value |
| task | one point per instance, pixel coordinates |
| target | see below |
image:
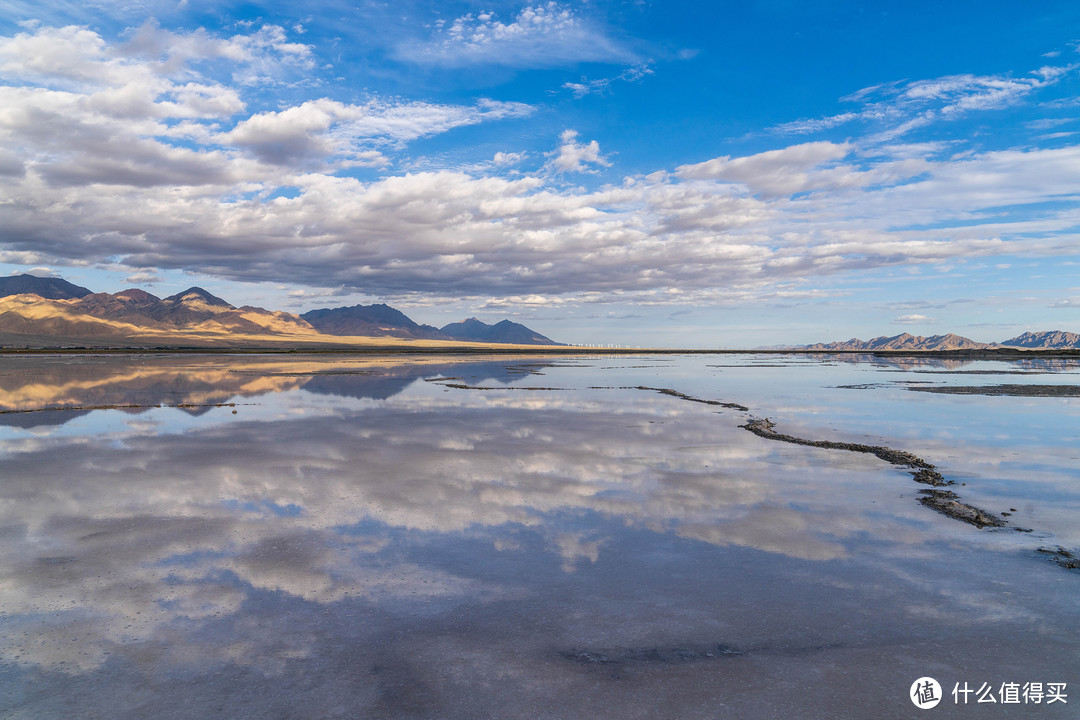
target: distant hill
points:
(51, 312)
(135, 313)
(501, 332)
(370, 320)
(51, 288)
(1046, 339)
(383, 320)
(904, 341)
(196, 296)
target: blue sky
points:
(641, 173)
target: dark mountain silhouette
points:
(471, 329)
(383, 320)
(501, 332)
(51, 288)
(1045, 339)
(370, 320)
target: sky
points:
(679, 174)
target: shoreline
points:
(570, 350)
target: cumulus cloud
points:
(577, 157)
(324, 127)
(453, 234)
(155, 111)
(143, 277)
(544, 35)
(142, 154)
(791, 170)
(508, 158)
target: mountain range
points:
(49, 311)
(1054, 339)
(383, 320)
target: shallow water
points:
(269, 536)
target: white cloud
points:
(144, 112)
(264, 56)
(544, 35)
(601, 85)
(900, 107)
(813, 125)
(913, 320)
(197, 181)
(75, 57)
(451, 234)
(509, 158)
(518, 301)
(794, 169)
(143, 277)
(577, 157)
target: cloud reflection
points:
(151, 535)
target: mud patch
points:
(462, 386)
(1010, 390)
(924, 471)
(682, 396)
(648, 655)
(1062, 557)
(946, 502)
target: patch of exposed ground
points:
(936, 497)
(1062, 557)
(680, 395)
(461, 386)
(1011, 390)
(946, 502)
(628, 367)
(756, 365)
(980, 372)
(766, 428)
(649, 655)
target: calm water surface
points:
(433, 537)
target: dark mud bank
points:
(946, 502)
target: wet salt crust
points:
(373, 537)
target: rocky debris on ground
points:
(1062, 557)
